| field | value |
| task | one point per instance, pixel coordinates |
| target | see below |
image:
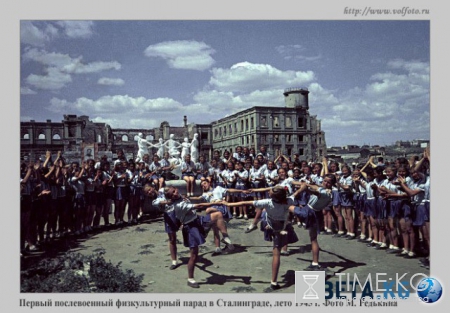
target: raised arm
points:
(419, 163)
(48, 156)
(324, 167)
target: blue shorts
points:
(359, 200)
(110, 192)
(346, 199)
(171, 224)
(274, 236)
(79, 202)
(406, 211)
(395, 207)
(187, 175)
(122, 193)
(335, 195)
(240, 195)
(370, 207)
(382, 208)
(135, 191)
(422, 214)
(308, 216)
(90, 197)
(100, 199)
(195, 232)
(224, 210)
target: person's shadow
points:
(204, 263)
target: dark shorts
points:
(79, 202)
(171, 224)
(110, 192)
(90, 197)
(240, 196)
(422, 214)
(382, 208)
(187, 175)
(195, 232)
(346, 199)
(122, 193)
(224, 210)
(135, 191)
(100, 199)
(359, 201)
(308, 216)
(335, 195)
(406, 211)
(370, 207)
(25, 203)
(258, 184)
(156, 177)
(395, 208)
(274, 235)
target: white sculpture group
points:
(171, 146)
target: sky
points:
(369, 80)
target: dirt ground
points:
(144, 249)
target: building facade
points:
(287, 130)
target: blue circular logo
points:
(429, 290)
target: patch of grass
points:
(74, 272)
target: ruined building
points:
(289, 129)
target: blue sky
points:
(369, 81)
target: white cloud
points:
(296, 52)
(246, 77)
(146, 123)
(123, 111)
(77, 29)
(32, 35)
(68, 64)
(391, 105)
(27, 91)
(54, 80)
(111, 81)
(59, 67)
(183, 54)
(118, 104)
(59, 106)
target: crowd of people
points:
(384, 205)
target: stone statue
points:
(142, 147)
(160, 146)
(194, 148)
(173, 147)
(185, 148)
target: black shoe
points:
(284, 253)
(215, 253)
(378, 247)
(425, 264)
(361, 240)
(422, 260)
(350, 237)
(372, 244)
(251, 228)
(272, 288)
(407, 256)
(193, 285)
(393, 251)
(314, 268)
(173, 266)
(339, 235)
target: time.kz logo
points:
(429, 290)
